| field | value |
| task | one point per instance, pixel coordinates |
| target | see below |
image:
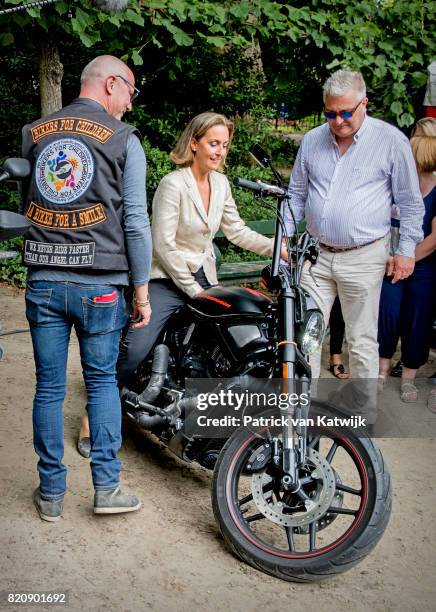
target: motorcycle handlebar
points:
(15, 168)
(261, 188)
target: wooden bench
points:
(247, 271)
(244, 271)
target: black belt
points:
(333, 249)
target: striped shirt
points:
(347, 200)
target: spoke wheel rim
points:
(243, 525)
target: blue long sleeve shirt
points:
(346, 200)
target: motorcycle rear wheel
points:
(249, 514)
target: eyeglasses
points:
(136, 91)
(345, 114)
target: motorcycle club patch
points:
(64, 170)
(53, 254)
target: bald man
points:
(86, 201)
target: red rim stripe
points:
(321, 551)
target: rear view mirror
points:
(12, 225)
(15, 168)
(260, 156)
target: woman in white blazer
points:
(189, 207)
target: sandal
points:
(381, 383)
(397, 370)
(338, 370)
(409, 393)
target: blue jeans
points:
(52, 308)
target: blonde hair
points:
(427, 125)
(424, 147)
(182, 154)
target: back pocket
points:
(100, 317)
(37, 304)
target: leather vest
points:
(74, 200)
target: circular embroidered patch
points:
(64, 170)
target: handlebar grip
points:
(239, 182)
(263, 188)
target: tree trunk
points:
(254, 53)
(51, 72)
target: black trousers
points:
(165, 299)
(406, 312)
(337, 328)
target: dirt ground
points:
(169, 555)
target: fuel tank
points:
(228, 301)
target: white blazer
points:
(183, 232)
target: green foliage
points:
(391, 42)
(253, 127)
(239, 57)
(158, 165)
(9, 196)
(12, 270)
(251, 208)
(19, 98)
(282, 150)
(232, 254)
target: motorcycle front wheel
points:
(329, 525)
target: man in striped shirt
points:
(346, 176)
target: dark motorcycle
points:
(297, 500)
(294, 496)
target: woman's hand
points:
(284, 250)
(403, 267)
(140, 316)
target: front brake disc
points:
(315, 507)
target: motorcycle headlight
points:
(312, 332)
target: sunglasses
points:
(345, 114)
(136, 91)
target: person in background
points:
(430, 94)
(337, 331)
(345, 177)
(406, 308)
(87, 204)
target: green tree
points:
(390, 41)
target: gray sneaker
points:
(49, 510)
(114, 502)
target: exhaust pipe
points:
(142, 403)
(158, 373)
(146, 421)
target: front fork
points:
(294, 436)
